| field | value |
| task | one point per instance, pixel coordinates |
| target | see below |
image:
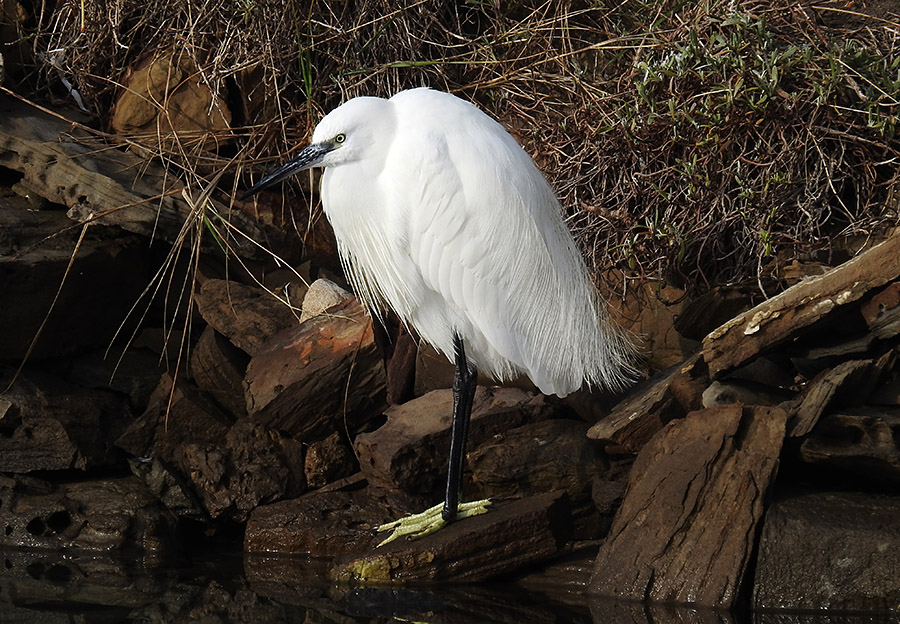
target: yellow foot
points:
(425, 523)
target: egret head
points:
(355, 130)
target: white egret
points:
(442, 217)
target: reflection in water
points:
(50, 587)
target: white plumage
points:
(442, 217)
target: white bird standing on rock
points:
(442, 217)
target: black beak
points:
(308, 158)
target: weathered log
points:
(853, 565)
(249, 317)
(784, 316)
(323, 375)
(509, 536)
(646, 409)
(409, 452)
(685, 530)
(63, 163)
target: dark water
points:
(45, 588)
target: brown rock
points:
(249, 317)
(882, 312)
(48, 424)
(685, 531)
(167, 99)
(324, 523)
(649, 406)
(509, 536)
(174, 418)
(859, 443)
(410, 451)
(105, 515)
(328, 460)
(323, 375)
(254, 466)
(783, 317)
(218, 368)
(853, 565)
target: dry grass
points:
(690, 141)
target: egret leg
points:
(419, 525)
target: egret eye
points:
(340, 138)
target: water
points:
(49, 587)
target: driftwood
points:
(685, 530)
(791, 312)
(65, 165)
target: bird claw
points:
(429, 521)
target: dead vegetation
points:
(701, 143)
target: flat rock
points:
(103, 514)
(786, 315)
(685, 530)
(248, 316)
(325, 523)
(506, 538)
(323, 375)
(410, 451)
(854, 565)
(647, 408)
(861, 444)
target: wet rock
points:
(254, 465)
(686, 527)
(861, 444)
(170, 487)
(102, 514)
(510, 535)
(249, 317)
(410, 451)
(218, 368)
(323, 375)
(49, 424)
(669, 394)
(328, 460)
(854, 564)
(783, 317)
(325, 523)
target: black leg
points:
(464, 383)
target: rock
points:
(102, 514)
(324, 375)
(166, 101)
(135, 374)
(783, 317)
(651, 404)
(410, 451)
(325, 523)
(322, 294)
(537, 458)
(170, 487)
(174, 418)
(728, 391)
(49, 424)
(218, 368)
(328, 460)
(249, 317)
(686, 528)
(506, 538)
(861, 444)
(853, 566)
(253, 466)
(882, 312)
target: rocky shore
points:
(241, 403)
